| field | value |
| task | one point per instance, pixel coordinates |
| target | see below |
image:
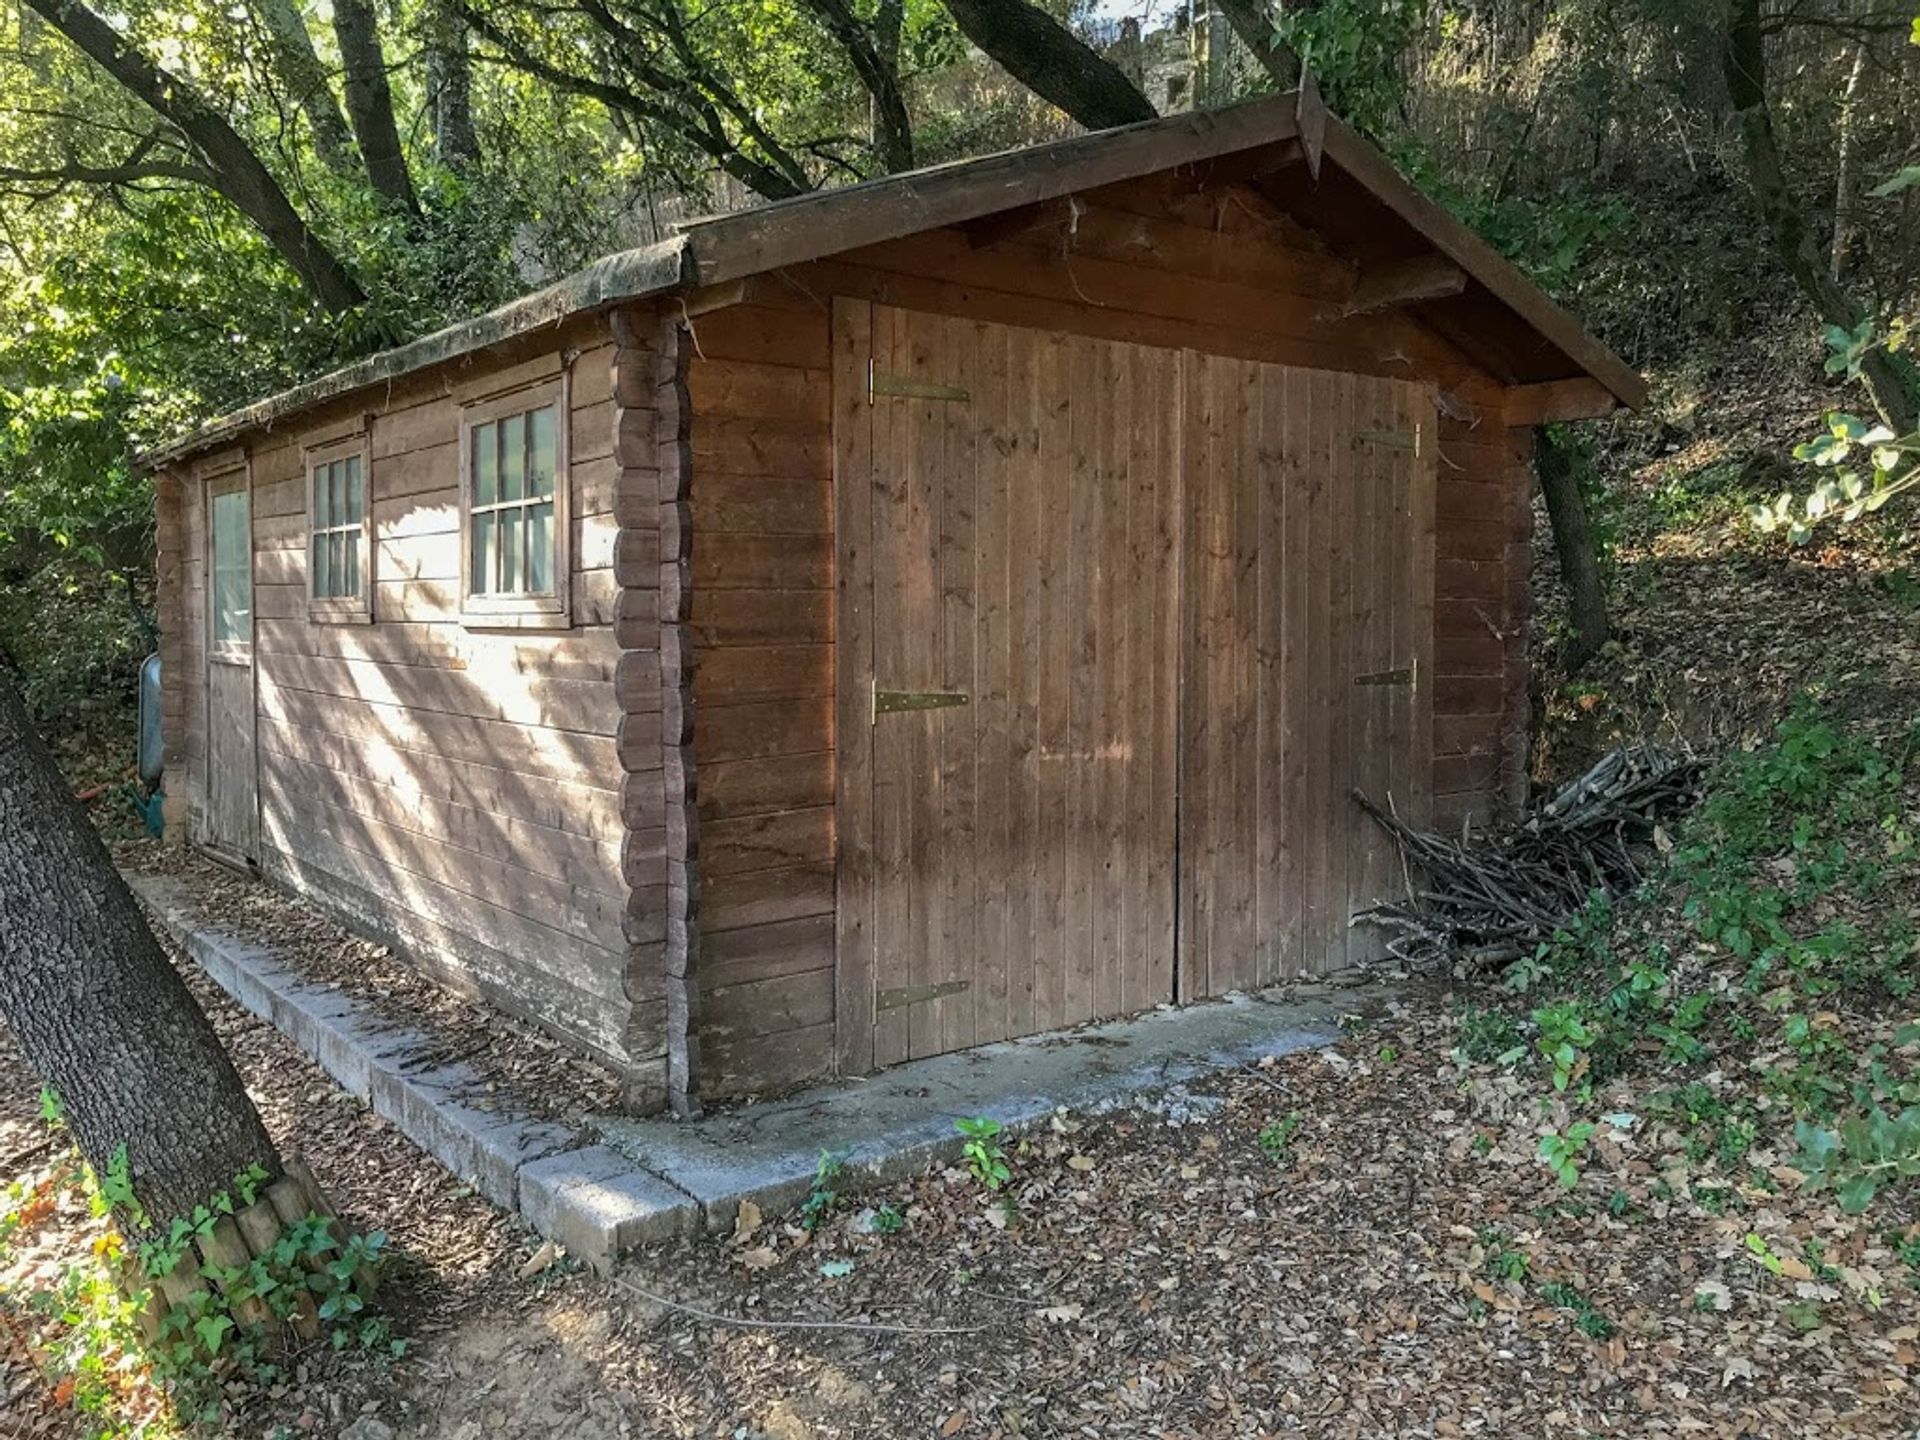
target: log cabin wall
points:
(1157, 262)
(448, 785)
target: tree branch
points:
(1051, 61)
(235, 171)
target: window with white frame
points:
(514, 508)
(340, 539)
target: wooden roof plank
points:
(1358, 157)
(808, 227)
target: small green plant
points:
(1561, 1151)
(1489, 1037)
(822, 1197)
(888, 1221)
(1860, 1156)
(1564, 1036)
(1277, 1135)
(1503, 1261)
(1587, 1320)
(986, 1160)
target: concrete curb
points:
(622, 1182)
(590, 1199)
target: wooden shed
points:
(946, 609)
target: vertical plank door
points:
(1013, 639)
(231, 824)
(1308, 619)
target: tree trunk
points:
(1843, 168)
(238, 174)
(450, 89)
(370, 102)
(1254, 25)
(1744, 61)
(873, 49)
(102, 1017)
(1555, 464)
(304, 75)
(1051, 61)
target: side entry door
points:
(231, 826)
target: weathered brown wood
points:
(783, 234)
(1554, 401)
(1003, 538)
(1388, 286)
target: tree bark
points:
(1254, 25)
(1573, 542)
(874, 52)
(304, 75)
(1051, 61)
(370, 102)
(101, 1016)
(450, 89)
(1843, 168)
(1744, 62)
(237, 174)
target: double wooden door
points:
(1120, 627)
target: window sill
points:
(531, 615)
(321, 613)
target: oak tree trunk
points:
(304, 75)
(1052, 61)
(100, 1014)
(450, 89)
(370, 102)
(1573, 543)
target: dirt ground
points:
(1155, 1279)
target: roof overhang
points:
(1349, 190)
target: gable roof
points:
(1347, 190)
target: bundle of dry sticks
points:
(1484, 899)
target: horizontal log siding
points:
(457, 790)
(758, 628)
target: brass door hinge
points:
(917, 994)
(1405, 675)
(889, 702)
(908, 388)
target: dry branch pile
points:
(1486, 899)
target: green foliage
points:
(888, 1221)
(1353, 48)
(985, 1158)
(1561, 1151)
(1860, 1156)
(1866, 465)
(1587, 1320)
(1276, 1137)
(822, 1197)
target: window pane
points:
(540, 451)
(322, 581)
(486, 464)
(350, 572)
(480, 578)
(355, 510)
(513, 457)
(540, 548)
(512, 576)
(229, 528)
(230, 606)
